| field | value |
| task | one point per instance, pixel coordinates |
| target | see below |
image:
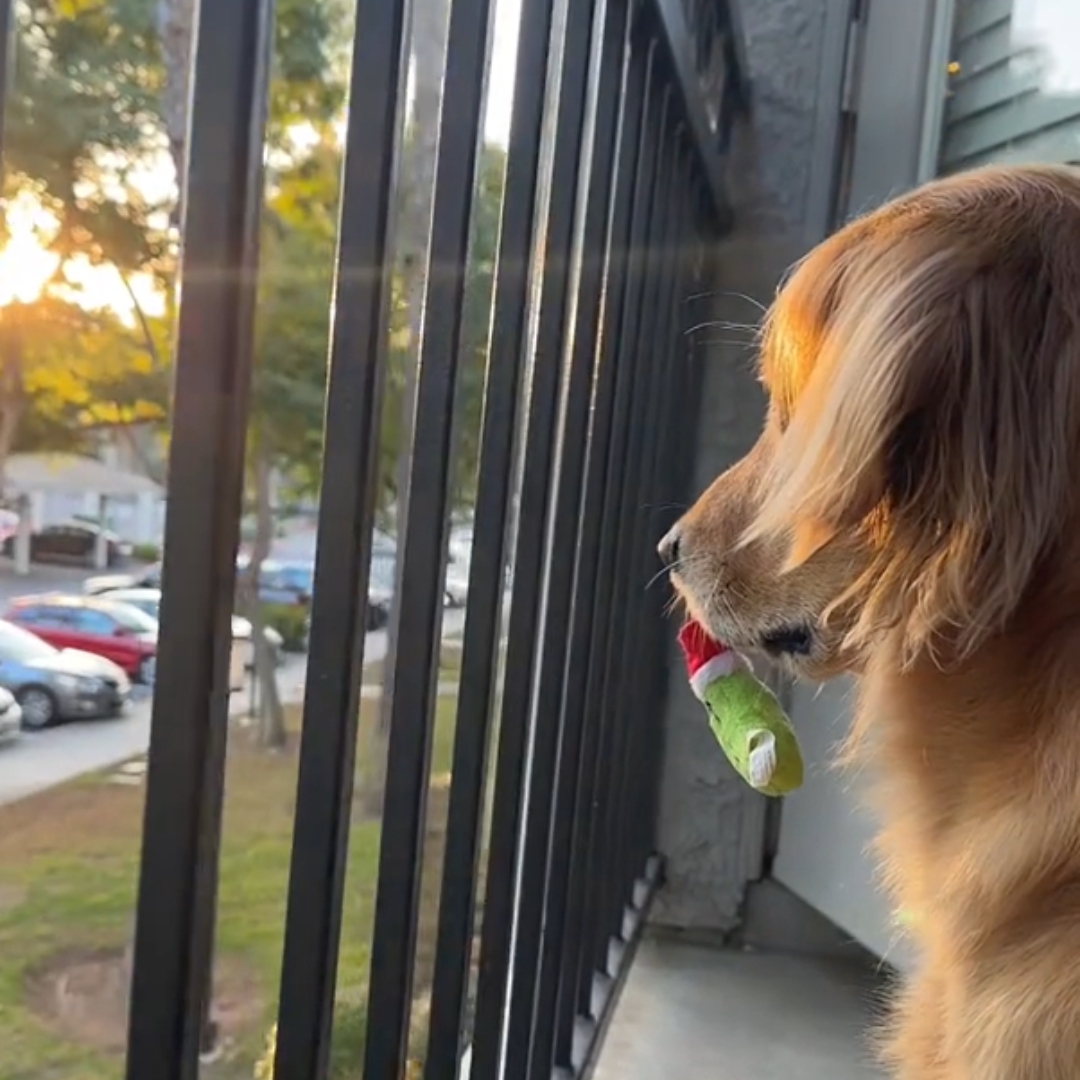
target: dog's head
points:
(921, 455)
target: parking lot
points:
(39, 760)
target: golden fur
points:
(912, 509)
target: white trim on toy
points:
(716, 667)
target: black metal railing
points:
(613, 194)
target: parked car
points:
(53, 684)
(291, 583)
(72, 542)
(149, 601)
(383, 579)
(381, 582)
(11, 720)
(119, 632)
(288, 582)
(145, 577)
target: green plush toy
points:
(744, 715)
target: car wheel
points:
(147, 670)
(39, 707)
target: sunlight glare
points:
(25, 265)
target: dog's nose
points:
(668, 548)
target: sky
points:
(1053, 26)
(501, 72)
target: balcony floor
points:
(695, 1011)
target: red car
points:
(119, 632)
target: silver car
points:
(53, 684)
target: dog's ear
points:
(940, 416)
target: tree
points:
(82, 124)
(291, 344)
(472, 364)
(307, 91)
(429, 30)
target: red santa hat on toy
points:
(706, 658)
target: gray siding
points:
(1014, 93)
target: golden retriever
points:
(911, 514)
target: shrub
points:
(290, 621)
(148, 553)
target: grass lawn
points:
(68, 867)
(449, 665)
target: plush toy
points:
(744, 715)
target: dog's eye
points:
(787, 641)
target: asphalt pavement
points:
(40, 760)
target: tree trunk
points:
(271, 731)
(176, 23)
(12, 388)
(429, 27)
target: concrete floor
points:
(717, 1014)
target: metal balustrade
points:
(613, 196)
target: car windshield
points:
(22, 647)
(148, 605)
(130, 618)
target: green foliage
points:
(472, 364)
(84, 123)
(290, 621)
(147, 553)
(85, 131)
(86, 142)
(293, 316)
(476, 316)
(310, 71)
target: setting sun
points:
(27, 267)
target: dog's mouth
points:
(793, 640)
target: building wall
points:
(711, 825)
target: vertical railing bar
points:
(563, 466)
(613, 698)
(472, 734)
(515, 767)
(681, 411)
(186, 759)
(644, 616)
(8, 36)
(634, 516)
(610, 399)
(346, 513)
(680, 47)
(624, 347)
(393, 950)
(551, 811)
